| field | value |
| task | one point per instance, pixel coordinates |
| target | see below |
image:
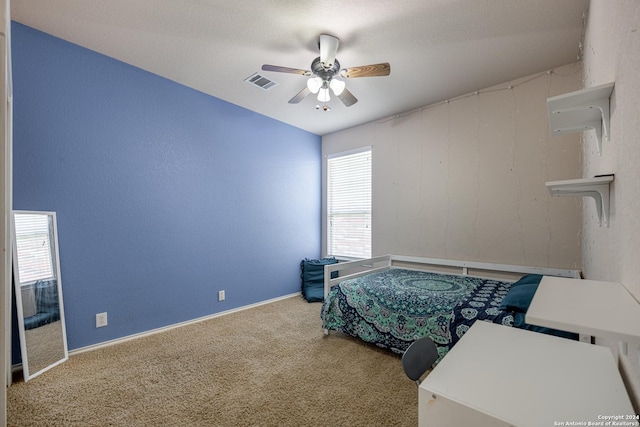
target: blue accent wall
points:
(164, 195)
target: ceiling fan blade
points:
(278, 69)
(347, 98)
(328, 49)
(300, 96)
(372, 70)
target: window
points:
(349, 204)
(33, 244)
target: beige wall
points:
(612, 54)
(464, 179)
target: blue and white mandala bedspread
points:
(395, 307)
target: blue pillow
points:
(518, 322)
(519, 297)
(529, 278)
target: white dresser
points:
(501, 376)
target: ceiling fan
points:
(324, 70)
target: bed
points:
(393, 300)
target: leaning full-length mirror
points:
(38, 288)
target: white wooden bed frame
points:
(445, 266)
(504, 272)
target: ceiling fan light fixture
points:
(314, 84)
(337, 86)
(323, 95)
(320, 76)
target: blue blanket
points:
(393, 308)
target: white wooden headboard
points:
(352, 269)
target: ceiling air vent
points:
(261, 81)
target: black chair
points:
(419, 357)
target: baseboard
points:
(18, 367)
(176, 325)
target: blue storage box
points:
(312, 275)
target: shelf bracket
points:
(596, 188)
(595, 124)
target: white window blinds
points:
(33, 244)
(349, 205)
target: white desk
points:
(502, 376)
(601, 309)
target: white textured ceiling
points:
(438, 49)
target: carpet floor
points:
(269, 365)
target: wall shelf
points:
(582, 110)
(597, 187)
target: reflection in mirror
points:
(36, 270)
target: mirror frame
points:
(18, 294)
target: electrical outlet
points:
(220, 295)
(101, 320)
